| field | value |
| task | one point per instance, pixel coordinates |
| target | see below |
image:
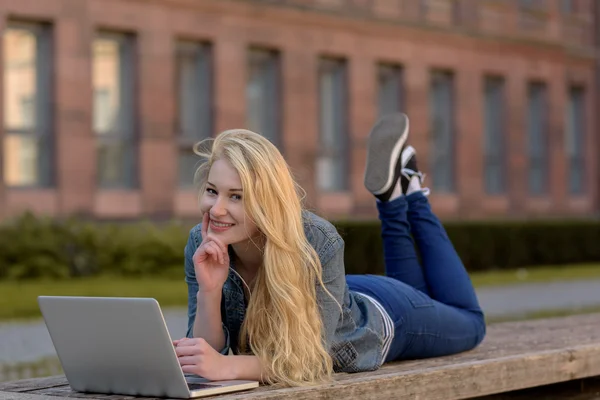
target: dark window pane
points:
(188, 163)
(194, 103)
(494, 117)
(262, 94)
(332, 162)
(111, 164)
(113, 119)
(442, 129)
(389, 80)
(537, 139)
(194, 90)
(575, 139)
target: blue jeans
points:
(434, 307)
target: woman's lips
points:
(216, 226)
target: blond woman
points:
(269, 299)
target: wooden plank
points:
(462, 381)
(513, 356)
(23, 396)
(67, 392)
(582, 389)
(27, 385)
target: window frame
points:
(538, 158)
(337, 154)
(43, 131)
(442, 150)
(495, 134)
(272, 85)
(395, 73)
(125, 133)
(202, 52)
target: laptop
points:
(122, 346)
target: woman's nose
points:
(218, 208)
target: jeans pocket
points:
(418, 299)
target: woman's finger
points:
(211, 251)
(190, 341)
(200, 253)
(191, 369)
(218, 252)
(188, 360)
(187, 351)
(219, 242)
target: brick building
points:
(103, 99)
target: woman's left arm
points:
(334, 279)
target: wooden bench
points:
(514, 355)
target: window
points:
(532, 4)
(262, 94)
(423, 9)
(441, 104)
(27, 105)
(194, 104)
(575, 139)
(114, 110)
(568, 6)
(466, 13)
(494, 133)
(391, 94)
(537, 138)
(332, 160)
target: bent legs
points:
(434, 307)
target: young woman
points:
(266, 278)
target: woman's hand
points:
(198, 357)
(211, 260)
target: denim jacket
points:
(353, 336)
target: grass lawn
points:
(544, 314)
(19, 299)
(537, 274)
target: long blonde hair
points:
(283, 326)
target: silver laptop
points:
(121, 346)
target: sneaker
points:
(410, 170)
(386, 141)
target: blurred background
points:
(103, 100)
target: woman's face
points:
(223, 200)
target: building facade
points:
(103, 100)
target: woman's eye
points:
(211, 191)
(236, 197)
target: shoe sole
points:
(385, 144)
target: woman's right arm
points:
(204, 308)
(208, 324)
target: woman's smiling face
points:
(223, 201)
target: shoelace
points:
(409, 174)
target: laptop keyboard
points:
(197, 386)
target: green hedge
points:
(33, 247)
(488, 245)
